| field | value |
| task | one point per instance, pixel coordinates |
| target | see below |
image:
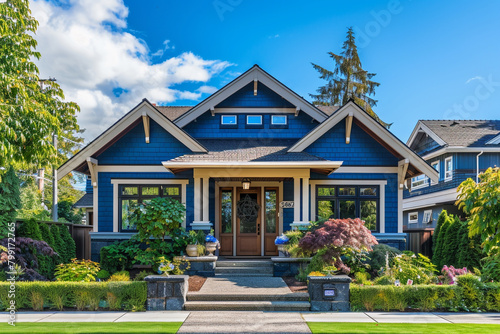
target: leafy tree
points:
(31, 111)
(65, 211)
(159, 218)
(31, 199)
(481, 201)
(348, 80)
(10, 200)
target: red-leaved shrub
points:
(339, 236)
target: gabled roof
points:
(254, 73)
(417, 165)
(173, 112)
(121, 127)
(461, 133)
(87, 201)
(421, 127)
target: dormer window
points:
(254, 120)
(279, 121)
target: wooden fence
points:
(79, 232)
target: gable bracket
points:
(297, 110)
(212, 111)
(348, 127)
(145, 122)
(402, 169)
(255, 81)
(92, 163)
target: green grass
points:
(330, 327)
(91, 327)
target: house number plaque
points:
(286, 204)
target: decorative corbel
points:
(348, 127)
(145, 122)
(92, 163)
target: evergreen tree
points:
(348, 80)
(469, 254)
(60, 247)
(438, 255)
(10, 200)
(29, 229)
(47, 235)
(441, 219)
(451, 242)
(69, 243)
(47, 264)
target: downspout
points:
(477, 166)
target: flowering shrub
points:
(211, 238)
(178, 266)
(450, 274)
(77, 271)
(316, 273)
(417, 268)
(337, 238)
(281, 240)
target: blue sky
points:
(434, 59)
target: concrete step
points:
(243, 270)
(247, 306)
(242, 275)
(246, 263)
(297, 296)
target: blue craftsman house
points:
(457, 150)
(252, 160)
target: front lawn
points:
(366, 328)
(91, 327)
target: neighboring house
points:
(457, 149)
(252, 160)
(87, 203)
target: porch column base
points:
(299, 225)
(201, 225)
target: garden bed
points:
(196, 282)
(294, 284)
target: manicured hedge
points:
(426, 298)
(130, 296)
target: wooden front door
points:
(248, 222)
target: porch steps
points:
(250, 268)
(266, 305)
(292, 296)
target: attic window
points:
(228, 121)
(254, 120)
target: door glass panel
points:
(270, 198)
(248, 212)
(347, 209)
(369, 214)
(326, 209)
(227, 211)
(129, 220)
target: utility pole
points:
(41, 181)
(54, 182)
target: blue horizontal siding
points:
(265, 98)
(363, 150)
(132, 148)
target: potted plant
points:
(192, 244)
(211, 243)
(280, 242)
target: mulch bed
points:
(294, 284)
(196, 282)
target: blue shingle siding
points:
(288, 212)
(88, 186)
(208, 126)
(132, 149)
(363, 150)
(265, 98)
(468, 160)
(391, 192)
(105, 189)
(426, 145)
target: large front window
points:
(131, 196)
(348, 202)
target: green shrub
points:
(384, 280)
(418, 268)
(119, 255)
(377, 257)
(3, 276)
(120, 276)
(362, 278)
(103, 274)
(440, 222)
(77, 271)
(129, 296)
(471, 292)
(451, 243)
(60, 248)
(68, 242)
(438, 255)
(29, 229)
(491, 268)
(142, 275)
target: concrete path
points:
(107, 316)
(244, 285)
(244, 322)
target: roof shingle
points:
(465, 133)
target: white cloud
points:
(474, 78)
(207, 89)
(85, 46)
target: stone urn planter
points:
(211, 248)
(192, 250)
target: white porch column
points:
(206, 198)
(201, 202)
(305, 199)
(296, 199)
(197, 199)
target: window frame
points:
(254, 125)
(436, 163)
(139, 197)
(450, 176)
(425, 183)
(412, 221)
(228, 125)
(279, 125)
(429, 214)
(357, 198)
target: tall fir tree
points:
(69, 243)
(437, 259)
(469, 253)
(59, 244)
(441, 219)
(451, 242)
(29, 229)
(348, 80)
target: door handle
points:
(258, 229)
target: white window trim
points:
(427, 212)
(380, 183)
(436, 163)
(254, 123)
(272, 120)
(423, 185)
(222, 120)
(448, 178)
(412, 221)
(117, 182)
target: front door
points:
(248, 227)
